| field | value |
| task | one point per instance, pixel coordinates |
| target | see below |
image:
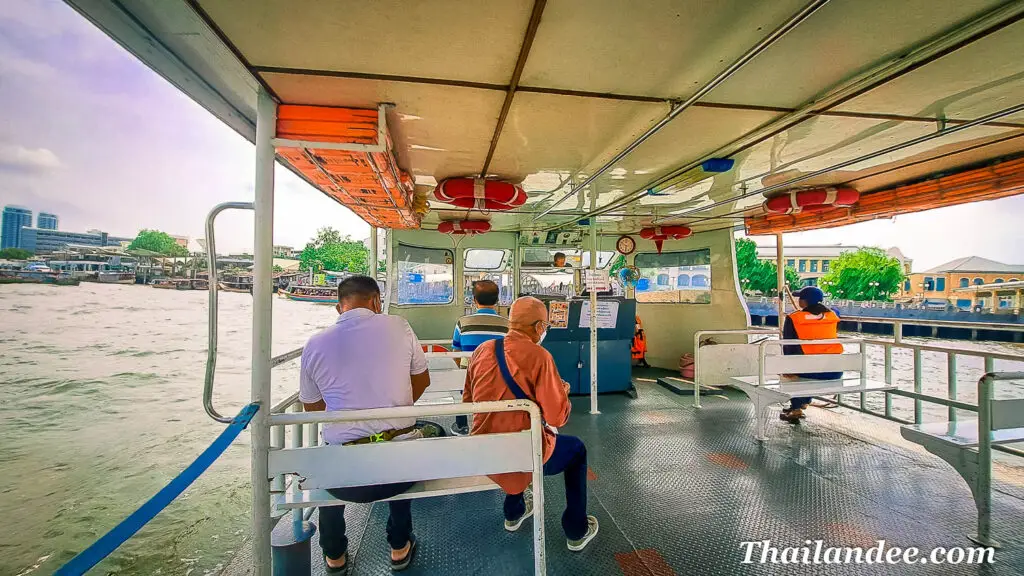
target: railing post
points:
(696, 369)
(897, 332)
(262, 323)
(277, 443)
(951, 382)
(888, 379)
(983, 489)
(917, 385)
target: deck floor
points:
(676, 491)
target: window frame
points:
(397, 283)
(674, 286)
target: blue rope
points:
(129, 526)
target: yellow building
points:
(813, 262)
(945, 282)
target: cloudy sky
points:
(91, 134)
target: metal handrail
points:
(211, 339)
(699, 335)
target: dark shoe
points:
(342, 570)
(399, 565)
(792, 416)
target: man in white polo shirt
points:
(366, 360)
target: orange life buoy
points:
(464, 226)
(480, 194)
(811, 200)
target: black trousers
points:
(332, 518)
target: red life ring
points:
(464, 227)
(666, 233)
(661, 233)
(480, 194)
(811, 200)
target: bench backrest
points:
(775, 363)
(1007, 413)
(337, 466)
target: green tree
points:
(758, 275)
(157, 241)
(328, 250)
(866, 274)
(15, 254)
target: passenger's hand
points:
(565, 386)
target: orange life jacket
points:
(810, 327)
(639, 346)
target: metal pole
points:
(371, 261)
(262, 318)
(951, 382)
(983, 488)
(897, 332)
(593, 307)
(780, 281)
(888, 380)
(917, 385)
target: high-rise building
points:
(15, 217)
(46, 221)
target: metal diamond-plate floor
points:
(677, 490)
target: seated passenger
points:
(814, 321)
(559, 261)
(474, 329)
(517, 367)
(366, 360)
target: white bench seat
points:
(809, 387)
(426, 489)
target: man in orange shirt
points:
(518, 367)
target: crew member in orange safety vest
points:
(814, 321)
(639, 347)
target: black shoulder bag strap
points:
(499, 351)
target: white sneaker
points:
(577, 545)
(513, 525)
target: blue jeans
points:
(569, 459)
(332, 518)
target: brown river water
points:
(101, 407)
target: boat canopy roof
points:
(870, 94)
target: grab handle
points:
(211, 339)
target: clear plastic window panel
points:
(424, 275)
(675, 277)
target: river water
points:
(101, 407)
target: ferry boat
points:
(180, 284)
(241, 284)
(656, 130)
(306, 293)
(115, 277)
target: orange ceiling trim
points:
(369, 183)
(999, 180)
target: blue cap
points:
(810, 294)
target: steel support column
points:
(262, 317)
(780, 279)
(593, 307)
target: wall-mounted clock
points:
(625, 245)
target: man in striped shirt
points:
(474, 329)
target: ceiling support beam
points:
(721, 77)
(513, 84)
(869, 156)
(988, 23)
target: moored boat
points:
(113, 277)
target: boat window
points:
(675, 277)
(424, 275)
(965, 282)
(485, 259)
(547, 282)
(545, 258)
